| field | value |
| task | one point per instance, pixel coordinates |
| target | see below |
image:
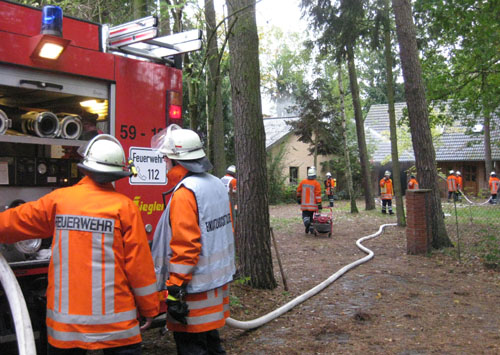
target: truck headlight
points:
(30, 246)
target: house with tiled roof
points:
(457, 148)
(296, 157)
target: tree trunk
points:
(214, 91)
(425, 156)
(360, 130)
(488, 164)
(254, 242)
(396, 172)
(348, 174)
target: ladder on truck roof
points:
(139, 39)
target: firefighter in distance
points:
(494, 184)
(309, 197)
(452, 184)
(101, 271)
(413, 183)
(386, 192)
(196, 218)
(229, 180)
(460, 186)
(330, 187)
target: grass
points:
(285, 224)
(483, 214)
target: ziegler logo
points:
(149, 208)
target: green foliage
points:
(461, 62)
(278, 190)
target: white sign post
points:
(151, 169)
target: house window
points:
(470, 173)
(294, 175)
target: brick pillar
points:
(418, 236)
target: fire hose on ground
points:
(17, 304)
(255, 323)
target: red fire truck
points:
(123, 80)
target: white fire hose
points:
(20, 316)
(245, 325)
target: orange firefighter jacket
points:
(208, 310)
(459, 183)
(329, 186)
(386, 191)
(452, 183)
(101, 271)
(309, 192)
(494, 184)
(413, 184)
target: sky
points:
(280, 13)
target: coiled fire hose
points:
(20, 316)
(255, 323)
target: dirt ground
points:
(393, 304)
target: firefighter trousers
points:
(133, 349)
(198, 343)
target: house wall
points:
(296, 154)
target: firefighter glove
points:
(176, 306)
(298, 200)
(320, 207)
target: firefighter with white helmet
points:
(309, 197)
(197, 217)
(494, 184)
(330, 187)
(101, 270)
(452, 184)
(386, 192)
(229, 180)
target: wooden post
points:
(279, 261)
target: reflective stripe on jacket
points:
(386, 191)
(494, 184)
(229, 182)
(452, 183)
(413, 184)
(309, 192)
(101, 269)
(207, 311)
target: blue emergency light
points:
(52, 20)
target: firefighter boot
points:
(307, 223)
(390, 212)
(383, 211)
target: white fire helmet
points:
(178, 143)
(183, 146)
(458, 173)
(311, 172)
(328, 174)
(493, 173)
(104, 159)
(387, 173)
(231, 169)
(452, 172)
